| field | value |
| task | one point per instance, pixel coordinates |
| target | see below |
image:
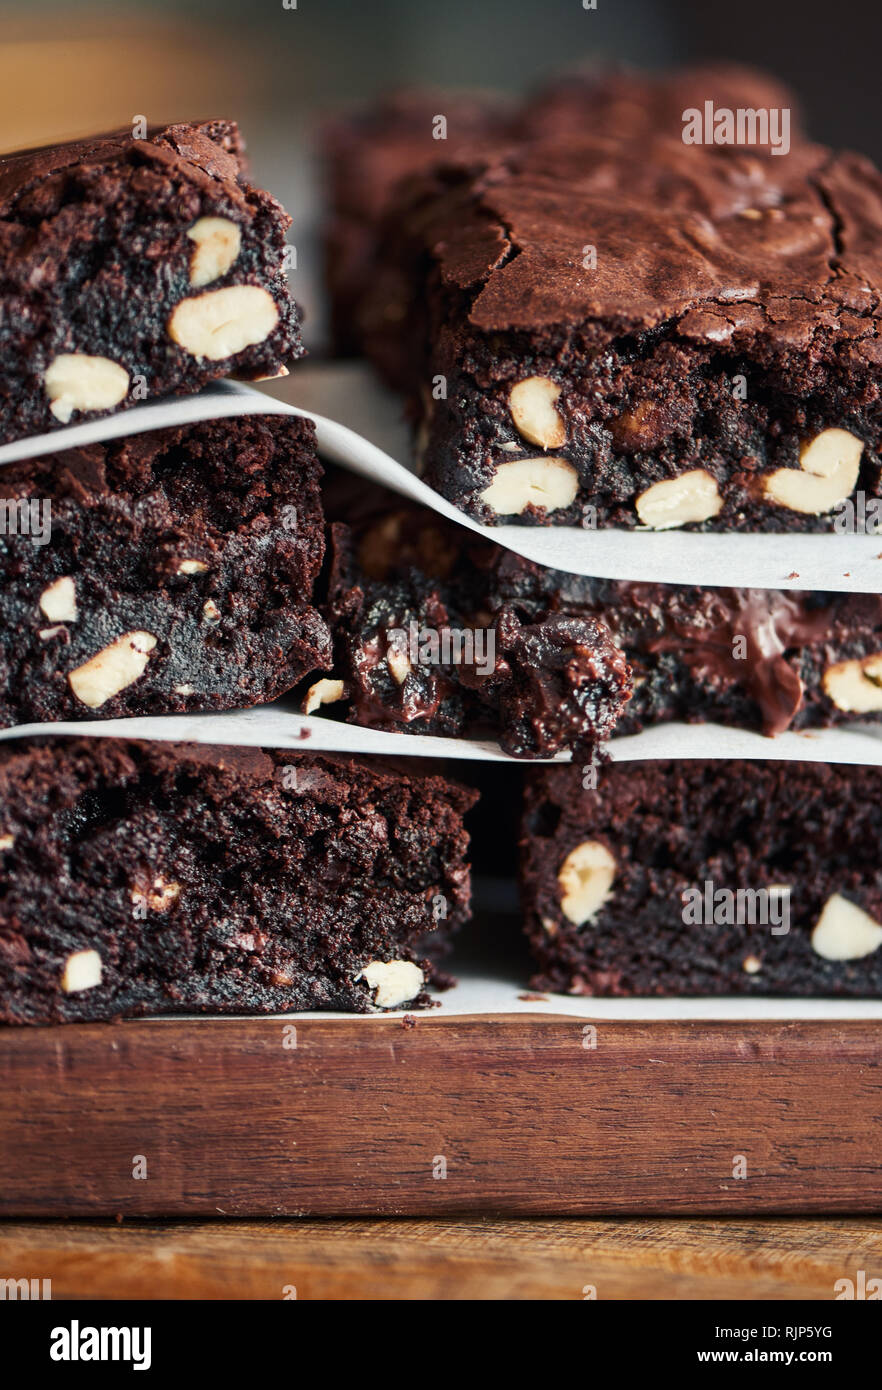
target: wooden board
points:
(372, 1116)
(526, 1258)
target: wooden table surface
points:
(441, 1259)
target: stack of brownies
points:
(594, 323)
(179, 572)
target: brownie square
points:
(427, 641)
(136, 267)
(160, 878)
(700, 877)
(366, 153)
(602, 330)
(754, 658)
(164, 572)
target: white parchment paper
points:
(353, 394)
(280, 726)
(358, 426)
(486, 994)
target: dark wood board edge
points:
(509, 1114)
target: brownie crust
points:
(633, 106)
(366, 153)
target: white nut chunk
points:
(398, 664)
(218, 243)
(693, 496)
(394, 981)
(855, 686)
(221, 323)
(532, 404)
(75, 381)
(845, 932)
(323, 692)
(59, 601)
(542, 482)
(191, 567)
(586, 878)
(82, 971)
(112, 669)
(828, 471)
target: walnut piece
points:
(112, 669)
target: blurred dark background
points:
(68, 68)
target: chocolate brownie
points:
(597, 332)
(134, 267)
(160, 878)
(424, 642)
(757, 659)
(365, 153)
(705, 878)
(168, 571)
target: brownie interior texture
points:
(424, 643)
(757, 659)
(226, 879)
(605, 869)
(201, 544)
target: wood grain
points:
(365, 1117)
(443, 1259)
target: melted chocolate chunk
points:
(444, 653)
